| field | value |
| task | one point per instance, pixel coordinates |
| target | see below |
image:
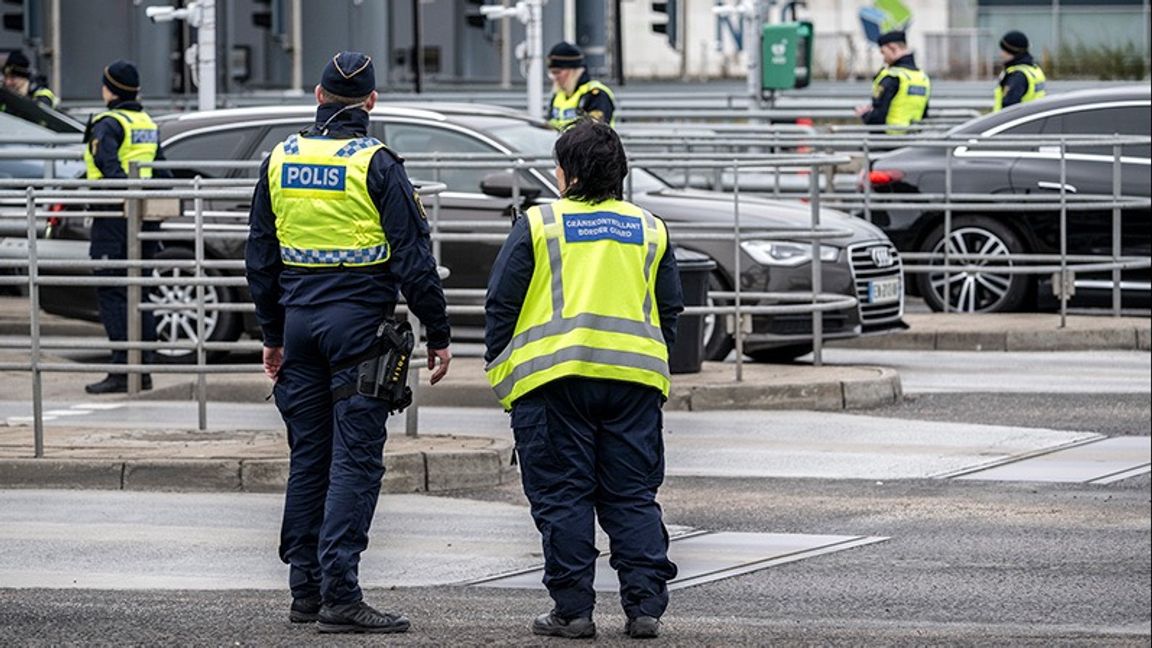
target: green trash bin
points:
(687, 354)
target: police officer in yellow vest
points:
(1022, 80)
(336, 233)
(580, 312)
(18, 78)
(113, 140)
(900, 90)
(574, 93)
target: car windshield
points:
(537, 141)
(15, 127)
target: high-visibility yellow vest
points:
(1036, 84)
(911, 100)
(566, 109)
(324, 214)
(140, 143)
(590, 310)
(46, 96)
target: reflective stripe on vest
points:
(911, 99)
(566, 109)
(324, 214)
(601, 323)
(140, 143)
(45, 95)
(1037, 85)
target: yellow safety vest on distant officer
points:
(566, 110)
(911, 100)
(1036, 84)
(590, 310)
(140, 144)
(325, 217)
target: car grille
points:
(864, 270)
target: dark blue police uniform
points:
(589, 447)
(878, 115)
(323, 317)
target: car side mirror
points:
(501, 183)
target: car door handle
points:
(1055, 186)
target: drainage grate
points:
(1098, 462)
(705, 557)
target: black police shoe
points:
(359, 617)
(305, 610)
(117, 384)
(551, 625)
(644, 627)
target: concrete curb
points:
(855, 393)
(405, 472)
(1010, 332)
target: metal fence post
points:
(1117, 277)
(201, 356)
(737, 316)
(867, 175)
(436, 210)
(132, 209)
(947, 226)
(412, 414)
(817, 270)
(34, 326)
(1063, 233)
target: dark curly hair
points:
(593, 160)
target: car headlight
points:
(786, 253)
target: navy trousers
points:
(113, 300)
(337, 450)
(594, 449)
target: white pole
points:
(535, 37)
(206, 54)
(297, 47)
(753, 18)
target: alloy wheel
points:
(973, 291)
(176, 322)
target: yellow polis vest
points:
(566, 109)
(324, 214)
(1036, 85)
(911, 100)
(590, 310)
(140, 143)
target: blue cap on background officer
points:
(120, 81)
(20, 79)
(574, 93)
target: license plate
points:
(884, 290)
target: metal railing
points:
(38, 195)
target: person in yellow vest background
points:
(1022, 80)
(113, 140)
(900, 91)
(574, 93)
(336, 234)
(19, 79)
(580, 313)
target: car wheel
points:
(974, 292)
(717, 342)
(781, 355)
(177, 321)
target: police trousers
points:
(108, 243)
(337, 449)
(593, 449)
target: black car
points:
(862, 264)
(1016, 169)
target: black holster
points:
(382, 372)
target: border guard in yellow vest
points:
(18, 78)
(900, 91)
(580, 313)
(1022, 80)
(574, 93)
(336, 233)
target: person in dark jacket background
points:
(900, 91)
(581, 310)
(18, 78)
(1022, 80)
(336, 233)
(575, 94)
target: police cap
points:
(1014, 42)
(18, 65)
(565, 55)
(122, 79)
(891, 37)
(349, 74)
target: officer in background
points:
(115, 138)
(574, 93)
(1022, 80)
(336, 230)
(18, 78)
(900, 90)
(580, 313)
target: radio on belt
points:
(385, 376)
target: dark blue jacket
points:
(411, 269)
(512, 272)
(889, 86)
(1015, 84)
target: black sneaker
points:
(359, 617)
(117, 384)
(551, 625)
(644, 627)
(305, 610)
